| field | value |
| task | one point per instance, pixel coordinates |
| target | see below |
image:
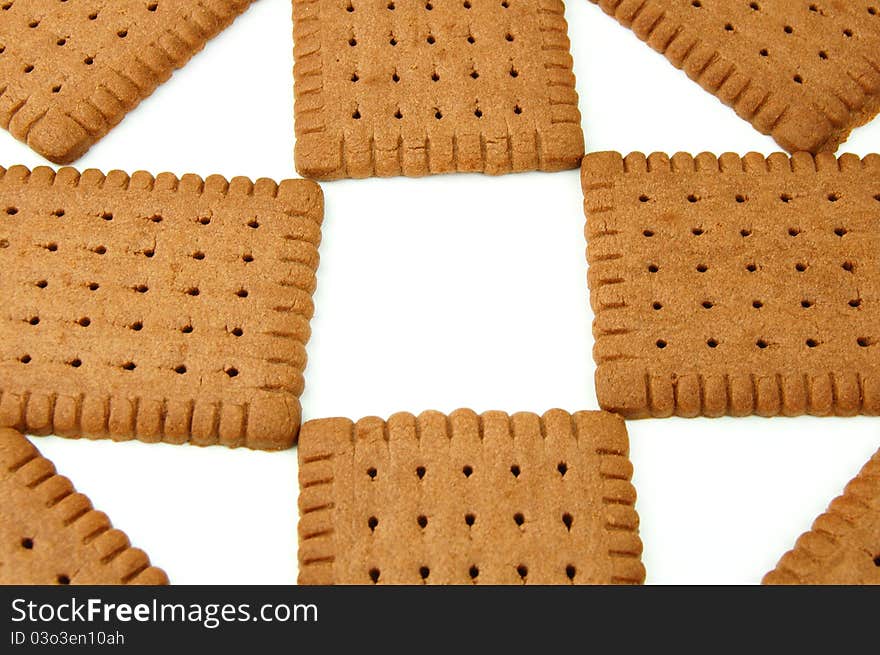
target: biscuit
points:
(468, 499)
(804, 73)
(70, 71)
(413, 88)
(735, 285)
(843, 547)
(49, 533)
(161, 309)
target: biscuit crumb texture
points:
(468, 499)
(416, 88)
(50, 534)
(843, 547)
(70, 71)
(805, 73)
(158, 308)
(734, 285)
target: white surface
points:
(446, 292)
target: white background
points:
(446, 292)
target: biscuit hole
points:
(745, 233)
(420, 472)
(519, 519)
(153, 6)
(848, 267)
(764, 52)
(840, 231)
(740, 198)
(63, 579)
(647, 233)
(855, 302)
(193, 291)
(398, 115)
(562, 467)
(58, 213)
(653, 268)
(522, 570)
(75, 363)
(833, 197)
(515, 470)
(798, 79)
(374, 575)
(471, 39)
(728, 27)
(353, 42)
(702, 268)
(354, 77)
(53, 247)
(466, 4)
(517, 110)
(785, 197)
(34, 24)
(85, 321)
(806, 304)
(864, 342)
(751, 268)
(848, 33)
(757, 304)
(570, 571)
(12, 211)
(29, 68)
(34, 320)
(708, 304)
(424, 572)
(242, 293)
(712, 343)
(811, 343)
(505, 4)
(253, 224)
(27, 543)
(231, 372)
(372, 522)
(137, 326)
(789, 29)
(99, 250)
(247, 258)
(187, 329)
(877, 561)
(156, 218)
(469, 519)
(93, 286)
(508, 37)
(657, 306)
(793, 231)
(42, 284)
(25, 359)
(761, 343)
(4, 243)
(93, 15)
(356, 115)
(474, 571)
(129, 366)
(180, 369)
(514, 72)
(391, 6)
(88, 61)
(428, 6)
(567, 520)
(422, 520)
(438, 114)
(56, 88)
(823, 54)
(697, 231)
(800, 267)
(142, 288)
(468, 470)
(431, 40)
(435, 77)
(478, 112)
(149, 253)
(107, 216)
(372, 472)
(692, 198)
(395, 77)
(237, 332)
(754, 6)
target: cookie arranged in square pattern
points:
(71, 70)
(161, 309)
(468, 499)
(735, 285)
(843, 547)
(413, 87)
(805, 72)
(50, 534)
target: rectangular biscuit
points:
(843, 547)
(414, 88)
(735, 285)
(468, 499)
(161, 309)
(806, 73)
(70, 71)
(50, 534)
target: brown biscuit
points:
(735, 285)
(844, 545)
(804, 73)
(49, 533)
(413, 88)
(162, 309)
(468, 499)
(70, 71)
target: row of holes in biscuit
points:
(106, 216)
(28, 544)
(752, 267)
(467, 471)
(435, 76)
(149, 253)
(129, 365)
(470, 519)
(839, 231)
(136, 326)
(473, 572)
(741, 198)
(762, 344)
(438, 112)
(806, 303)
(193, 291)
(350, 6)
(430, 39)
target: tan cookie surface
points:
(413, 88)
(70, 71)
(50, 534)
(468, 499)
(806, 73)
(161, 309)
(735, 285)
(843, 546)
